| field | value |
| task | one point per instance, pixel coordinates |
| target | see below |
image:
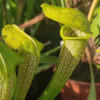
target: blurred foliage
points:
(95, 25)
(18, 11)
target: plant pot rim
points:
(82, 82)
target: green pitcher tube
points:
(74, 43)
(8, 62)
(29, 48)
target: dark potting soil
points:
(82, 73)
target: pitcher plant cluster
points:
(19, 50)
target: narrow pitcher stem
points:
(70, 55)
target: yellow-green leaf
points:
(68, 16)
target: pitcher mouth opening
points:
(72, 33)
